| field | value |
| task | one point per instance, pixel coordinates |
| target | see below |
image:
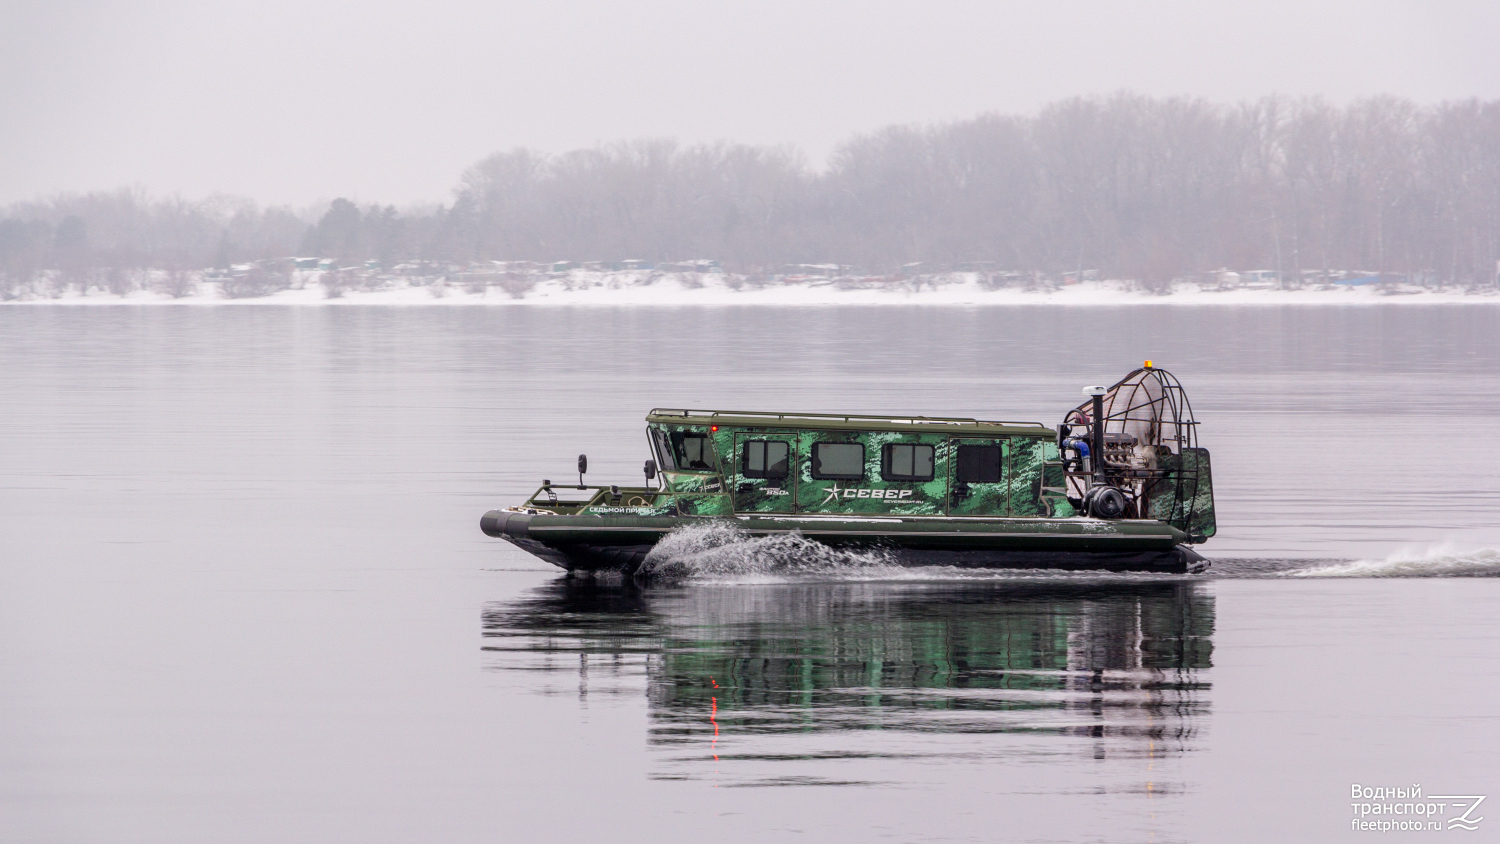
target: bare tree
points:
(1151, 189)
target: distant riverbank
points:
(615, 289)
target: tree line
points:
(1129, 186)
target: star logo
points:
(833, 493)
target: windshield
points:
(688, 450)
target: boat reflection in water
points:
(854, 682)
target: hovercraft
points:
(1120, 484)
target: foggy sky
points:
(301, 101)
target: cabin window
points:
(691, 450)
(838, 461)
(663, 448)
(906, 462)
(978, 464)
(766, 459)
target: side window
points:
(838, 461)
(765, 459)
(691, 451)
(664, 450)
(906, 462)
(978, 464)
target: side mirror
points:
(650, 470)
(583, 466)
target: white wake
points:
(1439, 561)
(719, 550)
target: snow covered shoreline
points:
(637, 289)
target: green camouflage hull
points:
(621, 543)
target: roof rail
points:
(845, 417)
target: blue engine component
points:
(1079, 445)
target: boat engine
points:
(1131, 451)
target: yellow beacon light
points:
(1146, 365)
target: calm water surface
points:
(244, 597)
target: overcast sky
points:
(307, 100)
